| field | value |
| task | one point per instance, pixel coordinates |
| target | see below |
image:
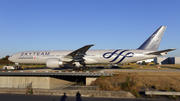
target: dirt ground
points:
(141, 82)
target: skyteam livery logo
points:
(116, 54)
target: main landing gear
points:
(81, 68)
(78, 67)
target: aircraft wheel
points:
(15, 67)
(75, 68)
(81, 68)
(87, 68)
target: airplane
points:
(83, 56)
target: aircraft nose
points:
(10, 58)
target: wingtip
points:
(173, 48)
(90, 45)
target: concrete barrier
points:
(83, 93)
(161, 93)
(14, 81)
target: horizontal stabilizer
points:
(159, 52)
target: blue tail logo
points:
(117, 55)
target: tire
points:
(81, 68)
(87, 68)
(15, 67)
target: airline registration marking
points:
(116, 55)
(27, 57)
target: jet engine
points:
(54, 63)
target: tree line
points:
(5, 60)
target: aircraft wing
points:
(78, 54)
(159, 52)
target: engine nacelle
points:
(54, 63)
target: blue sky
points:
(35, 25)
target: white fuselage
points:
(91, 57)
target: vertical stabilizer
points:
(152, 43)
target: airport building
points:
(163, 60)
(167, 60)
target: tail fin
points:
(152, 43)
